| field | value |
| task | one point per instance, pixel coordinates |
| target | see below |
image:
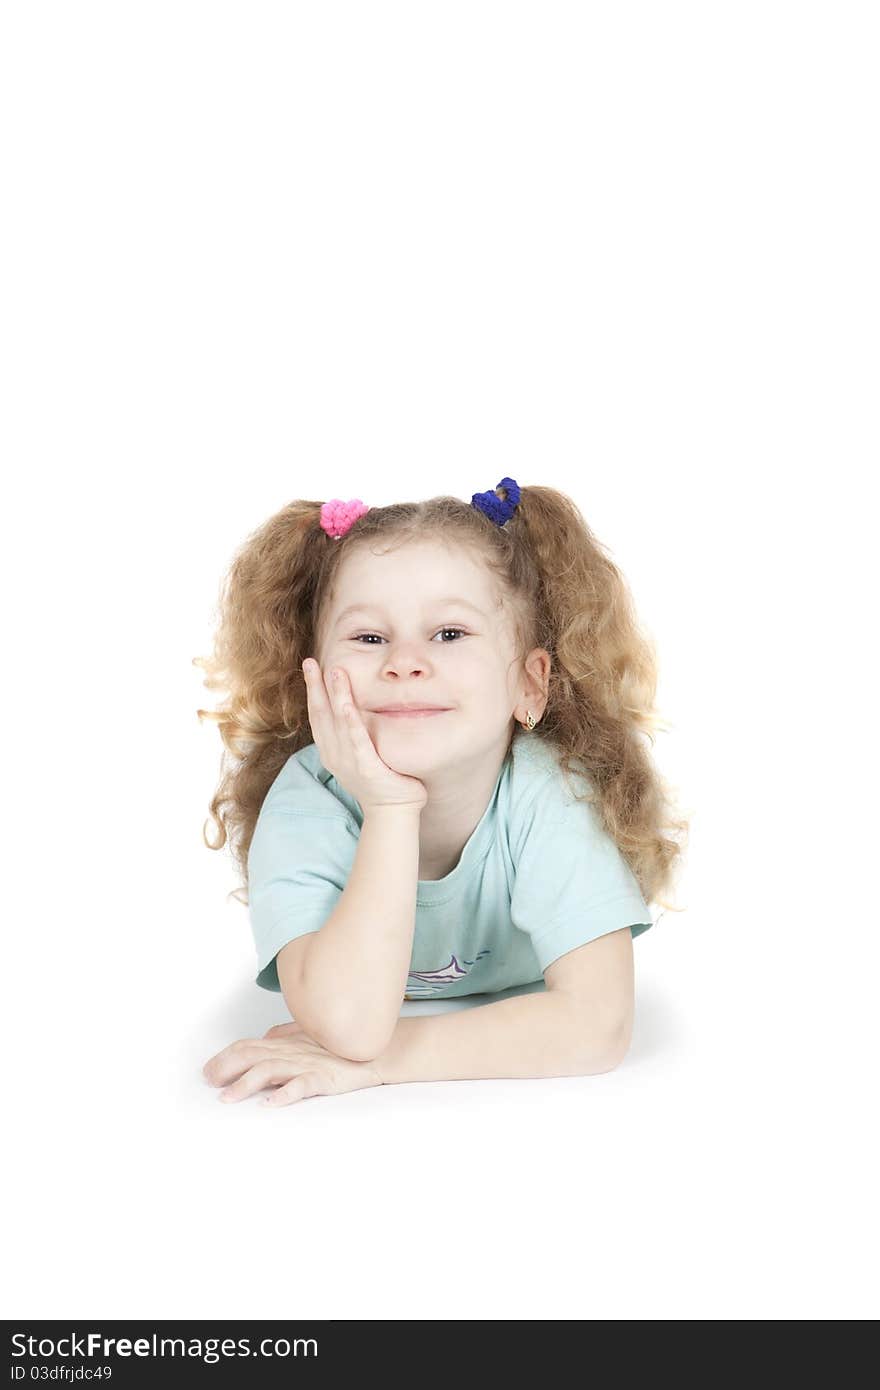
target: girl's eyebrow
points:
(377, 608)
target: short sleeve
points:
(572, 883)
(299, 862)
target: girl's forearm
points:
(356, 967)
(527, 1035)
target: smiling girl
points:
(442, 789)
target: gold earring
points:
(531, 721)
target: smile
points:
(409, 713)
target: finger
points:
(260, 1075)
(215, 1065)
(363, 745)
(321, 713)
(316, 694)
(342, 699)
(300, 1088)
(233, 1060)
(340, 690)
(345, 703)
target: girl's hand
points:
(289, 1059)
(346, 749)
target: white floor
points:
(723, 1171)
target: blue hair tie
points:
(498, 509)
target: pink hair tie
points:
(337, 516)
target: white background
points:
(259, 252)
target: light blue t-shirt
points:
(537, 877)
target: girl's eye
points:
(460, 630)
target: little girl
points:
(417, 824)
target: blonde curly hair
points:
(566, 596)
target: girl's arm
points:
(348, 992)
(580, 1026)
(528, 1035)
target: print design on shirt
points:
(433, 981)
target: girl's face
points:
(422, 625)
